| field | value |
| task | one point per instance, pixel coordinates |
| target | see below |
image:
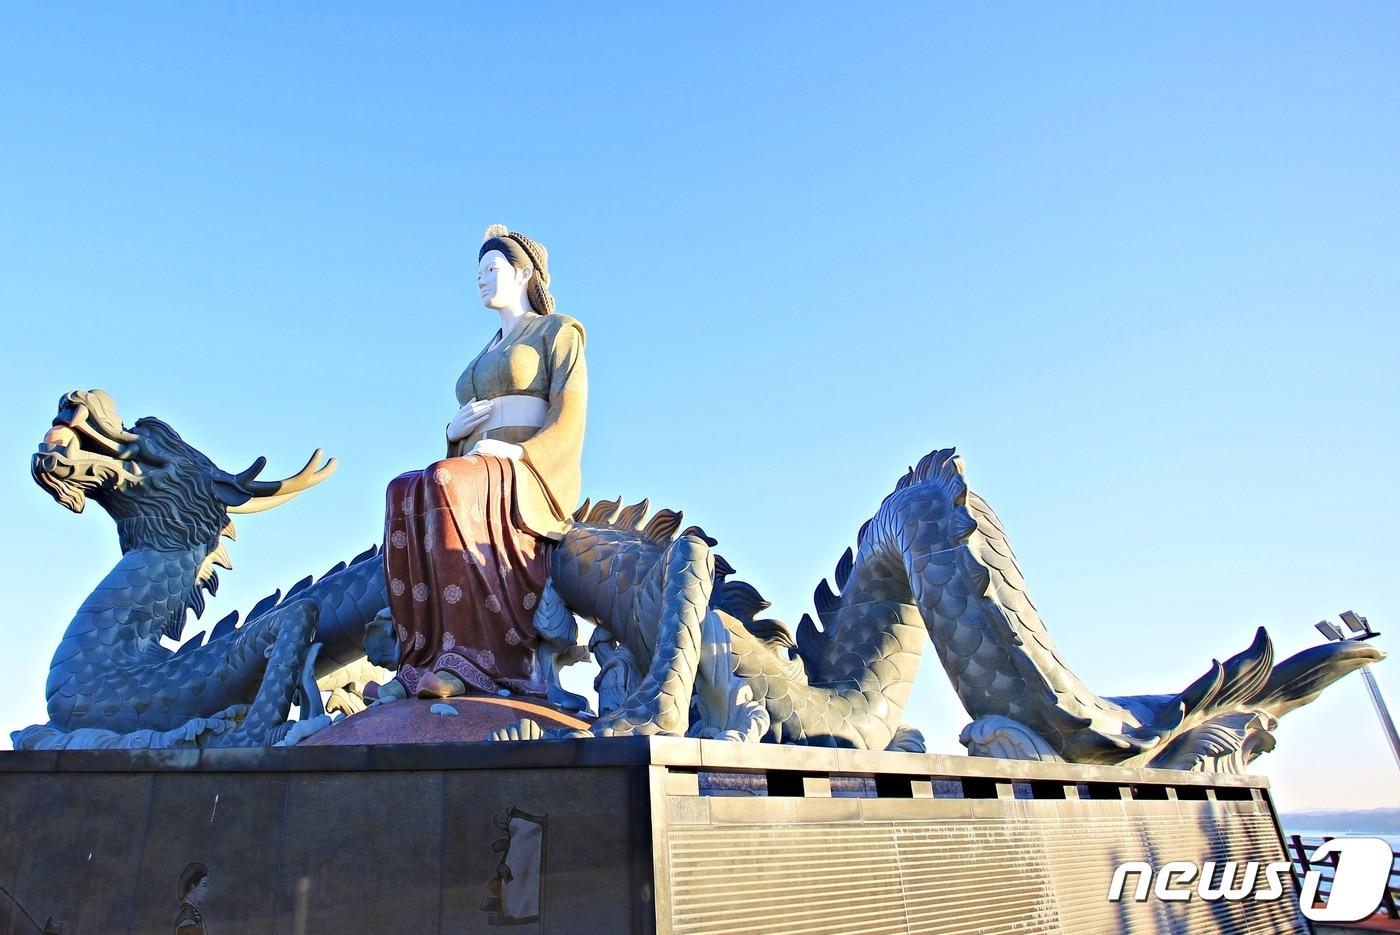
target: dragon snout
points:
(52, 458)
(60, 437)
(60, 444)
(47, 463)
(54, 473)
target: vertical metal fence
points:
(1301, 847)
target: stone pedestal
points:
(610, 836)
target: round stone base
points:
(412, 720)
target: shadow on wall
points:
(15, 918)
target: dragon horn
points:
(258, 504)
(246, 476)
(307, 477)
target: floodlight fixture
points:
(1329, 629)
(1359, 626)
(1355, 623)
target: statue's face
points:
(500, 284)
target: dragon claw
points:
(304, 729)
(523, 729)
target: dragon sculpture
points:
(681, 651)
(112, 683)
(680, 645)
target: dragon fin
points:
(1203, 689)
(191, 644)
(1225, 686)
(220, 557)
(1247, 672)
(224, 627)
(631, 516)
(266, 604)
(739, 599)
(827, 601)
(863, 532)
(772, 632)
(843, 568)
(809, 640)
(603, 512)
(699, 533)
(662, 526)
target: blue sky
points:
(1139, 263)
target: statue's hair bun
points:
(495, 230)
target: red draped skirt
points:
(463, 577)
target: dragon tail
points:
(1300, 678)
(1250, 681)
(1232, 706)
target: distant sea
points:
(1313, 834)
(1369, 822)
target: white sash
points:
(516, 411)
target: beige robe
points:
(542, 357)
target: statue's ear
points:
(523, 274)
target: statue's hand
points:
(497, 448)
(468, 419)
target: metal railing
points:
(1300, 848)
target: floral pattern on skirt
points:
(464, 577)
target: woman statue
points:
(467, 539)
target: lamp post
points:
(1361, 630)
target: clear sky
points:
(1140, 263)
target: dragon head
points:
(162, 492)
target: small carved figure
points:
(467, 539)
(193, 887)
(515, 893)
